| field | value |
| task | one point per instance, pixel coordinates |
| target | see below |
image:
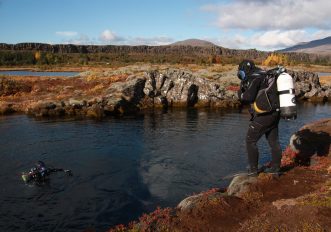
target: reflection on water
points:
(122, 167)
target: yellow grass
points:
(325, 80)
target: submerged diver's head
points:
(245, 68)
(37, 173)
(40, 165)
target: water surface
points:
(323, 74)
(32, 73)
(122, 167)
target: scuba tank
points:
(277, 94)
(287, 102)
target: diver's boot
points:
(252, 172)
(275, 171)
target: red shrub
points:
(288, 157)
(234, 88)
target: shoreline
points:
(129, 90)
(70, 68)
(300, 199)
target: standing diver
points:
(40, 173)
(252, 80)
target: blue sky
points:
(261, 24)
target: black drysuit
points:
(261, 124)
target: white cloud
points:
(66, 33)
(278, 39)
(272, 15)
(270, 24)
(269, 40)
(109, 36)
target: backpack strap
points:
(288, 91)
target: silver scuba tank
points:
(287, 102)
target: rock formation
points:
(184, 89)
(312, 140)
(117, 93)
(308, 87)
(182, 53)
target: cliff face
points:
(179, 49)
(179, 53)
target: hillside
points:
(321, 47)
(190, 51)
(194, 43)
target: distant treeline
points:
(46, 54)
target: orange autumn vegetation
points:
(276, 59)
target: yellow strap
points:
(257, 110)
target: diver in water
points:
(40, 173)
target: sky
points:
(242, 24)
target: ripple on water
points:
(122, 167)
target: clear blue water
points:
(122, 167)
(31, 73)
(322, 74)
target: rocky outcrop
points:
(118, 93)
(240, 184)
(142, 49)
(308, 87)
(312, 140)
(175, 87)
(121, 98)
(192, 202)
(168, 88)
(167, 52)
(184, 89)
(6, 108)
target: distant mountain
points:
(194, 43)
(321, 46)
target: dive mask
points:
(241, 75)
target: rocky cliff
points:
(143, 49)
(187, 52)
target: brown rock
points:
(95, 111)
